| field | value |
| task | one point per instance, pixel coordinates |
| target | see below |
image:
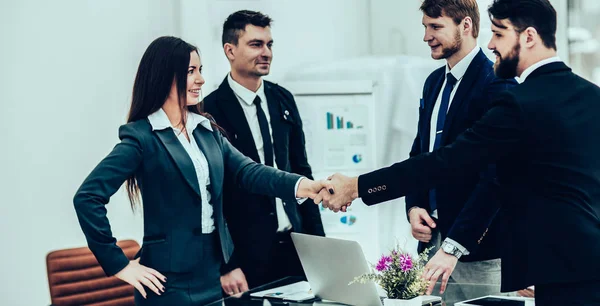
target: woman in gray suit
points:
(175, 157)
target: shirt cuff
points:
(299, 200)
(461, 248)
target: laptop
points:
(331, 264)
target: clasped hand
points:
(335, 193)
(339, 192)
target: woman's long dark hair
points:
(166, 58)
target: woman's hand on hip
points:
(139, 276)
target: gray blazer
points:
(170, 195)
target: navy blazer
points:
(543, 136)
(252, 218)
(170, 195)
(473, 228)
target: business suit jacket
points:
(473, 228)
(543, 135)
(252, 217)
(170, 194)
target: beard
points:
(506, 67)
(450, 50)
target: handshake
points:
(335, 193)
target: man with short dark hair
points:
(543, 136)
(262, 121)
(454, 97)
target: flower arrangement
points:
(399, 274)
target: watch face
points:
(448, 248)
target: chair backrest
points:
(76, 278)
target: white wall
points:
(67, 69)
(304, 32)
(397, 29)
(562, 43)
(67, 73)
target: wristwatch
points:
(451, 249)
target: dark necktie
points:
(264, 131)
(441, 119)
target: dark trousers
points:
(571, 294)
(198, 287)
(281, 262)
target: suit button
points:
(286, 112)
(370, 190)
(379, 188)
(383, 187)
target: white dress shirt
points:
(160, 121)
(535, 66)
(246, 98)
(458, 72)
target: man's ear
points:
(467, 25)
(229, 50)
(531, 37)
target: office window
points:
(584, 38)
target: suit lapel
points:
(180, 157)
(209, 146)
(429, 105)
(275, 114)
(234, 114)
(466, 85)
(279, 112)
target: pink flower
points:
(384, 263)
(405, 262)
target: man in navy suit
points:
(543, 136)
(454, 97)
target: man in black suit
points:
(454, 97)
(262, 121)
(543, 136)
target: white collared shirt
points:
(160, 121)
(246, 98)
(535, 66)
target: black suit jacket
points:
(170, 194)
(251, 217)
(543, 135)
(473, 228)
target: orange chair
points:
(76, 278)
